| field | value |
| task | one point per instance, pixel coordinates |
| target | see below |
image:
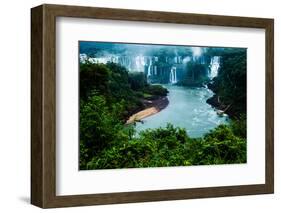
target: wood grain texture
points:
(36, 106)
(269, 118)
(43, 105)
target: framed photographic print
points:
(136, 106)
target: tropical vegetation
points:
(109, 94)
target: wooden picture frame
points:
(43, 105)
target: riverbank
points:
(151, 107)
(187, 109)
(222, 108)
(215, 102)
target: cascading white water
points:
(155, 70)
(177, 59)
(149, 68)
(139, 63)
(202, 59)
(214, 67)
(173, 75)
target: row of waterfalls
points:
(159, 70)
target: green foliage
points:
(109, 94)
(119, 86)
(196, 75)
(93, 77)
(137, 80)
(116, 84)
(221, 146)
(147, 96)
(155, 90)
(171, 146)
(230, 84)
(239, 126)
(99, 126)
(106, 99)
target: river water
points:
(187, 109)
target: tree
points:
(230, 84)
(196, 74)
(137, 81)
(99, 126)
(93, 77)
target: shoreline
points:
(221, 108)
(151, 107)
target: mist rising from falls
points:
(140, 63)
(197, 51)
(173, 75)
(132, 63)
(214, 67)
(173, 68)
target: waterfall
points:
(214, 66)
(149, 71)
(149, 68)
(114, 59)
(179, 59)
(139, 63)
(202, 59)
(173, 75)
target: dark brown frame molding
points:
(43, 105)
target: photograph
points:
(159, 105)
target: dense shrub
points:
(156, 90)
(99, 127)
(137, 80)
(171, 146)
